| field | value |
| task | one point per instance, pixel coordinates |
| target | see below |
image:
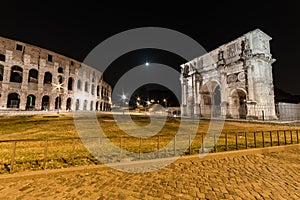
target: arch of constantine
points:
(235, 80)
(33, 78)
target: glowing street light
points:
(147, 64)
(58, 87)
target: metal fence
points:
(37, 154)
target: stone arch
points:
(79, 84)
(93, 89)
(60, 79)
(1, 72)
(47, 78)
(98, 90)
(13, 100)
(45, 103)
(70, 83)
(77, 104)
(30, 102)
(60, 70)
(33, 76)
(2, 57)
(86, 87)
(97, 105)
(58, 103)
(237, 103)
(85, 104)
(210, 95)
(16, 74)
(69, 104)
(92, 106)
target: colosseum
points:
(33, 78)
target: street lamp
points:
(58, 87)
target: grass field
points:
(45, 140)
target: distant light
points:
(123, 96)
(147, 64)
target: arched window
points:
(30, 103)
(92, 89)
(77, 104)
(47, 78)
(92, 106)
(84, 104)
(86, 87)
(69, 103)
(16, 74)
(1, 72)
(2, 57)
(33, 76)
(13, 100)
(98, 90)
(70, 83)
(79, 84)
(59, 79)
(45, 102)
(60, 70)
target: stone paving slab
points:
(270, 173)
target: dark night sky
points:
(75, 29)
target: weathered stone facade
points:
(235, 80)
(29, 76)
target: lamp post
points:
(58, 87)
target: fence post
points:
(291, 133)
(202, 138)
(174, 145)
(45, 154)
(246, 140)
(140, 148)
(254, 134)
(121, 145)
(13, 157)
(226, 141)
(297, 136)
(215, 142)
(236, 140)
(158, 142)
(278, 138)
(190, 145)
(271, 139)
(263, 138)
(284, 136)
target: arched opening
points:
(92, 106)
(97, 105)
(13, 100)
(86, 87)
(70, 83)
(216, 97)
(210, 104)
(79, 84)
(16, 74)
(93, 89)
(60, 70)
(59, 79)
(2, 57)
(47, 78)
(33, 76)
(69, 104)
(238, 104)
(85, 105)
(30, 103)
(57, 103)
(77, 104)
(1, 72)
(101, 106)
(45, 102)
(98, 90)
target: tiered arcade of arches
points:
(38, 79)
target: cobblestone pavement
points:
(271, 175)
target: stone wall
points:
(33, 78)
